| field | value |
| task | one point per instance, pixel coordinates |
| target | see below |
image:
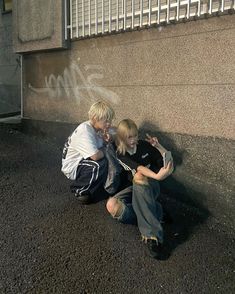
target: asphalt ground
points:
(51, 244)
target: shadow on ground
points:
(51, 244)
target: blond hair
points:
(125, 129)
(101, 110)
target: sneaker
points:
(156, 249)
(83, 199)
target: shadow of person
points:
(180, 201)
(169, 141)
(187, 216)
(99, 195)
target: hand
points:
(152, 140)
(107, 137)
(140, 179)
(164, 172)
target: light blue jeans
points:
(140, 206)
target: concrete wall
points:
(9, 68)
(45, 18)
(175, 81)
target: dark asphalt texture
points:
(51, 244)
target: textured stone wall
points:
(38, 25)
(176, 81)
(9, 68)
(183, 75)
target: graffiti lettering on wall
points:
(77, 83)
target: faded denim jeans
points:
(140, 205)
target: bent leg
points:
(90, 176)
(120, 206)
(148, 210)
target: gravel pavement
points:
(51, 244)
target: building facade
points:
(168, 65)
(10, 66)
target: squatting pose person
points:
(83, 160)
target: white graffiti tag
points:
(74, 83)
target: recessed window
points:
(7, 5)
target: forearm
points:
(147, 172)
(98, 155)
(160, 176)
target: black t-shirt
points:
(145, 155)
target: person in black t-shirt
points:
(143, 162)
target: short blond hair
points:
(101, 110)
(125, 128)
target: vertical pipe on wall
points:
(89, 12)
(178, 10)
(77, 18)
(65, 20)
(141, 13)
(188, 9)
(21, 87)
(132, 14)
(102, 16)
(210, 7)
(159, 11)
(168, 11)
(150, 11)
(222, 6)
(83, 18)
(199, 8)
(96, 18)
(124, 14)
(110, 16)
(71, 19)
(117, 19)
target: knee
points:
(138, 176)
(140, 179)
(111, 205)
(114, 206)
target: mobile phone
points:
(167, 157)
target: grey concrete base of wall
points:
(204, 167)
(56, 131)
(9, 99)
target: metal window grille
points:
(94, 17)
